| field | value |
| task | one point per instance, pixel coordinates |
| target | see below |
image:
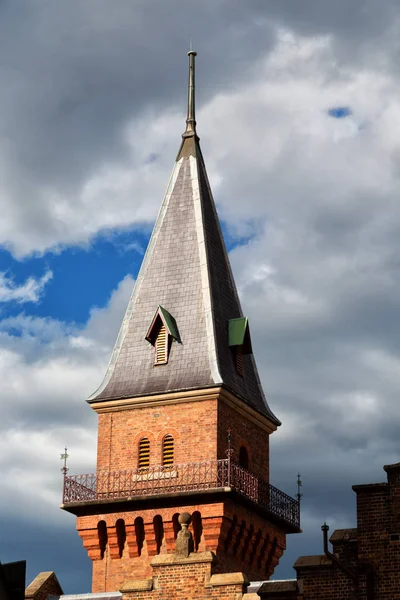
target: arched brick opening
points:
(103, 538)
(158, 531)
(241, 533)
(121, 535)
(197, 529)
(230, 534)
(176, 525)
(139, 532)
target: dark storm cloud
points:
(60, 545)
(74, 73)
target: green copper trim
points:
(239, 334)
(169, 323)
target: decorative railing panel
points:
(187, 477)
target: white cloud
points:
(29, 291)
(47, 371)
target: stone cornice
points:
(198, 395)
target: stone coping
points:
(290, 585)
(164, 560)
(370, 487)
(344, 535)
(393, 467)
(137, 585)
(228, 579)
(317, 560)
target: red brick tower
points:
(183, 422)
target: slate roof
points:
(186, 270)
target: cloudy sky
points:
(299, 118)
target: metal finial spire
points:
(229, 449)
(64, 457)
(299, 484)
(191, 121)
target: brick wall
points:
(192, 424)
(247, 433)
(371, 552)
(232, 530)
(241, 539)
(186, 578)
(326, 582)
(379, 536)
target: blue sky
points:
(298, 112)
(82, 277)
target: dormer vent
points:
(239, 340)
(162, 331)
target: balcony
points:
(218, 475)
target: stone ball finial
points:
(185, 518)
(184, 540)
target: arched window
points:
(243, 458)
(168, 450)
(144, 453)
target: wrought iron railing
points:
(187, 477)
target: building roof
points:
(290, 585)
(344, 535)
(316, 560)
(185, 270)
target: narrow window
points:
(243, 458)
(144, 453)
(168, 450)
(161, 346)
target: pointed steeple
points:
(185, 284)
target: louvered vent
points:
(144, 453)
(161, 346)
(168, 450)
(239, 360)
